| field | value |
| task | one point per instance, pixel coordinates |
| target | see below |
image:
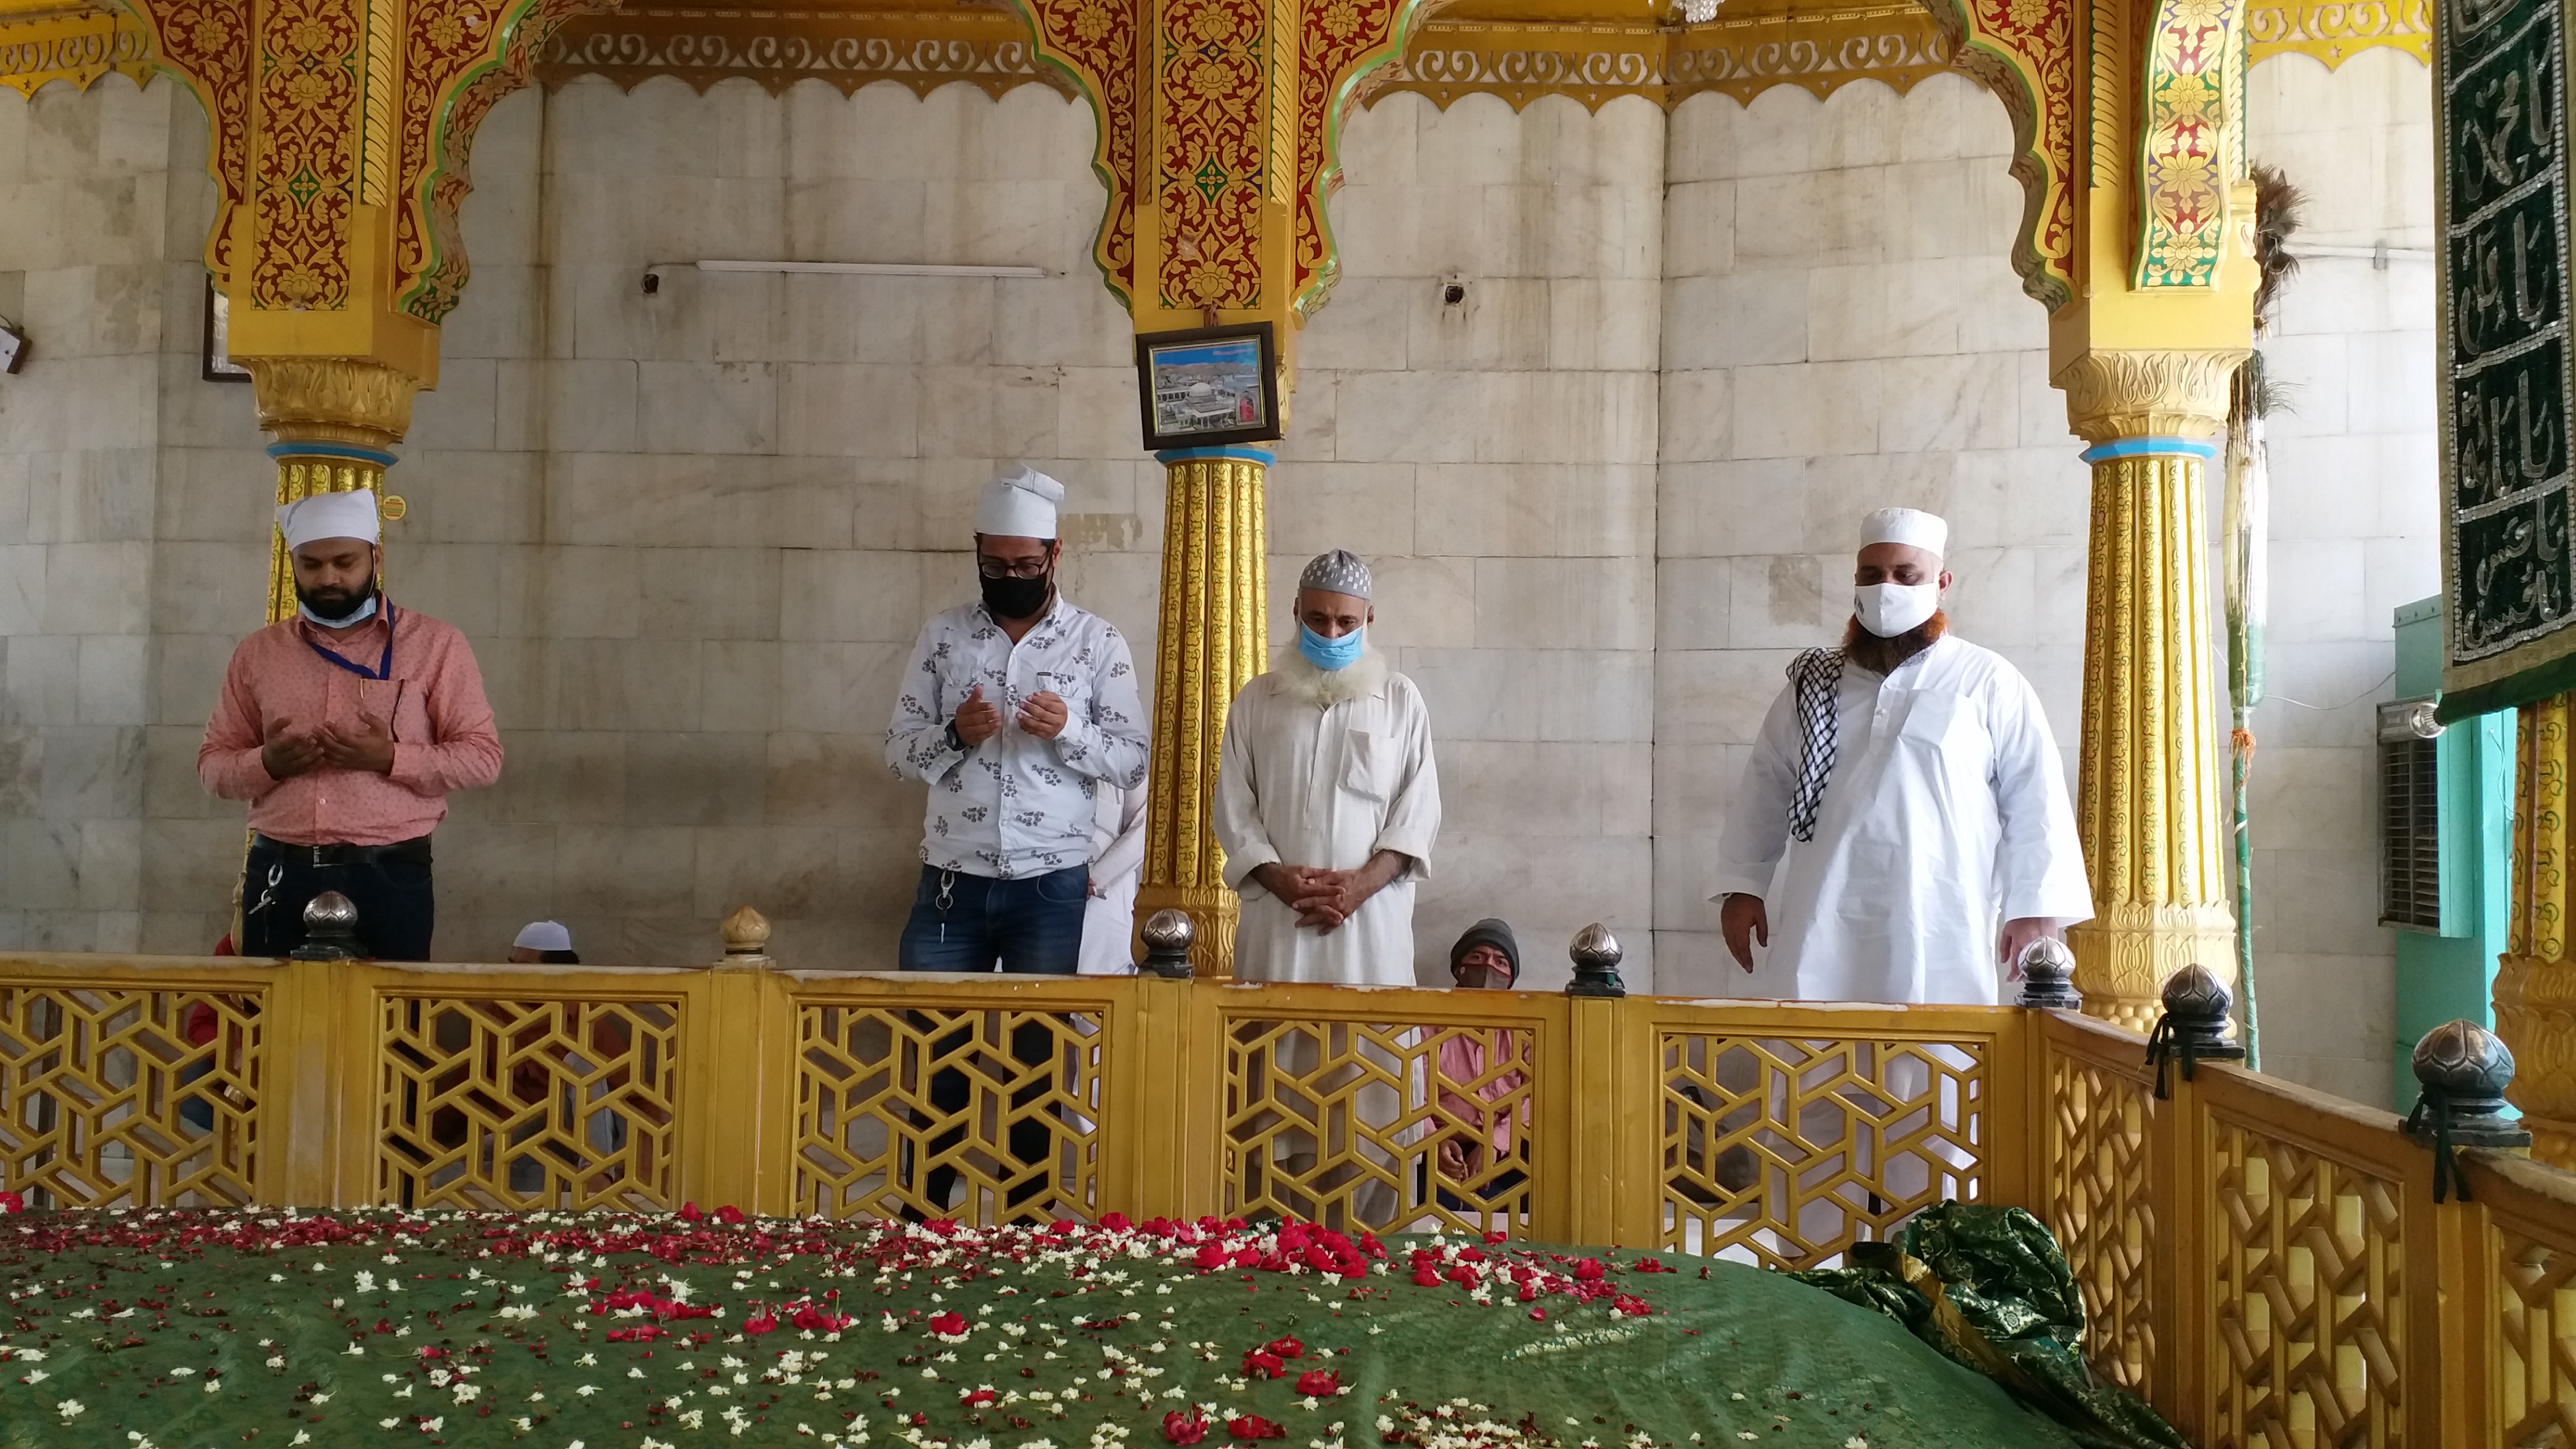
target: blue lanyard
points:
(383, 670)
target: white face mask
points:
(357, 616)
(1888, 610)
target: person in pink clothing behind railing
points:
(1490, 1161)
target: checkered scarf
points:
(1815, 674)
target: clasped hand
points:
(367, 745)
(1321, 898)
(979, 719)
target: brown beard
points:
(1881, 656)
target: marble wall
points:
(1609, 492)
(2356, 531)
(98, 193)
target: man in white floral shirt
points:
(1016, 709)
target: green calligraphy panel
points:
(2506, 374)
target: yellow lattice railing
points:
(943, 1110)
(1783, 1150)
(484, 1102)
(2308, 1292)
(2100, 1102)
(2266, 1264)
(134, 1093)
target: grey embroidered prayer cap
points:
(1338, 572)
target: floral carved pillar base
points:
(2147, 797)
(2535, 988)
(1212, 641)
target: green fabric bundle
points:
(1989, 1289)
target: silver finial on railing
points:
(2462, 1069)
(1168, 936)
(2194, 1025)
(330, 930)
(2048, 975)
(1596, 956)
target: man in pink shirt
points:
(345, 727)
(1477, 1072)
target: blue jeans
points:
(966, 922)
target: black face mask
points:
(1010, 598)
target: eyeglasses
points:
(993, 568)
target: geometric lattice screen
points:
(114, 1097)
(2102, 1207)
(520, 1105)
(2538, 1375)
(2308, 1302)
(1380, 1125)
(1786, 1152)
(982, 1116)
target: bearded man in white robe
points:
(1327, 801)
(1902, 832)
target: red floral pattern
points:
(2024, 52)
(1096, 40)
(303, 174)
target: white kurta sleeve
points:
(917, 745)
(1412, 823)
(1238, 825)
(1108, 741)
(2041, 867)
(1125, 853)
(1757, 818)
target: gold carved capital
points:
(2180, 393)
(332, 399)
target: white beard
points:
(1322, 688)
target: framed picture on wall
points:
(1208, 386)
(219, 365)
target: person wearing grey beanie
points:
(1486, 957)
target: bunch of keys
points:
(268, 896)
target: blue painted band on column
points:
(2205, 449)
(350, 451)
(1240, 455)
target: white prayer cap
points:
(544, 936)
(330, 515)
(1338, 572)
(1019, 504)
(1909, 526)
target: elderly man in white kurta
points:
(1902, 831)
(1326, 798)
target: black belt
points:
(415, 849)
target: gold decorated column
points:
(336, 421)
(2535, 985)
(337, 130)
(2147, 794)
(1213, 639)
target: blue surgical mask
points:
(1331, 654)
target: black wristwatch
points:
(954, 742)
